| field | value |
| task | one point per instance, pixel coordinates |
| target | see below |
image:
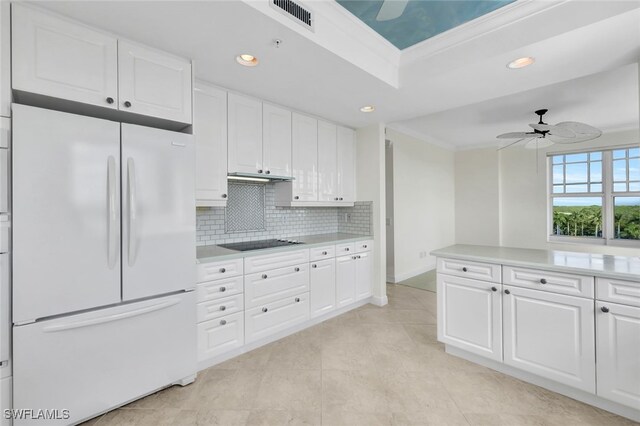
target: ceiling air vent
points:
(295, 11)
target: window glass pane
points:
(634, 186)
(634, 169)
(558, 189)
(595, 156)
(558, 174)
(597, 187)
(576, 173)
(577, 188)
(619, 170)
(620, 187)
(576, 157)
(557, 159)
(619, 153)
(577, 216)
(634, 152)
(626, 212)
(596, 171)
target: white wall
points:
(521, 185)
(370, 186)
(424, 203)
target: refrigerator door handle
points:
(112, 243)
(131, 177)
(110, 318)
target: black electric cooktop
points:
(261, 244)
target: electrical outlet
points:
(347, 217)
(423, 254)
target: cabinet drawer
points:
(275, 260)
(467, 269)
(618, 291)
(219, 288)
(362, 246)
(220, 335)
(217, 270)
(346, 248)
(271, 318)
(220, 307)
(556, 282)
(321, 253)
(276, 284)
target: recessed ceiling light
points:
(521, 62)
(247, 60)
(368, 108)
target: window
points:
(595, 196)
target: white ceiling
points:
(342, 66)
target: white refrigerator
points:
(103, 263)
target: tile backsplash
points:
(246, 219)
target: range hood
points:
(258, 177)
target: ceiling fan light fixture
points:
(521, 62)
(368, 108)
(247, 60)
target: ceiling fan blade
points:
(564, 132)
(511, 144)
(579, 128)
(577, 139)
(538, 143)
(517, 135)
(391, 9)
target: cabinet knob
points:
(324, 253)
(337, 198)
(507, 292)
(353, 257)
(268, 172)
(297, 299)
(223, 289)
(543, 281)
(494, 289)
(296, 198)
(223, 308)
(359, 257)
(346, 249)
(224, 195)
(604, 309)
(464, 269)
(264, 276)
(314, 266)
(264, 309)
(109, 100)
(297, 269)
(260, 171)
(341, 198)
(127, 104)
(364, 246)
(223, 322)
(223, 270)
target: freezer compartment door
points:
(5, 312)
(66, 221)
(92, 362)
(158, 213)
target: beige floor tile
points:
(284, 417)
(413, 316)
(92, 422)
(290, 389)
(348, 357)
(255, 360)
(227, 390)
(149, 417)
(404, 302)
(431, 416)
(171, 397)
(423, 334)
(505, 420)
(353, 391)
(391, 334)
(347, 418)
(222, 417)
(416, 392)
(292, 354)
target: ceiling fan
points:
(391, 9)
(544, 134)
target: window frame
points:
(607, 194)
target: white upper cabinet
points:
(210, 133)
(327, 162)
(276, 156)
(56, 57)
(346, 164)
(305, 158)
(245, 134)
(154, 83)
(5, 59)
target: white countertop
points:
(600, 265)
(207, 254)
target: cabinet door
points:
(57, 57)
(220, 335)
(327, 162)
(346, 164)
(345, 280)
(5, 59)
(470, 315)
(154, 83)
(245, 134)
(210, 134)
(305, 158)
(276, 139)
(364, 275)
(263, 321)
(618, 350)
(550, 335)
(322, 293)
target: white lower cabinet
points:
(220, 335)
(470, 315)
(550, 335)
(364, 275)
(276, 284)
(322, 292)
(618, 352)
(263, 321)
(220, 307)
(345, 280)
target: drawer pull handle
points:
(314, 266)
(297, 269)
(224, 195)
(604, 309)
(109, 100)
(507, 292)
(353, 257)
(543, 281)
(464, 269)
(324, 253)
(127, 104)
(223, 270)
(364, 246)
(223, 308)
(296, 198)
(359, 257)
(223, 322)
(264, 309)
(494, 289)
(336, 198)
(341, 198)
(264, 276)
(260, 171)
(223, 289)
(346, 249)
(297, 299)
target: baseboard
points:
(577, 394)
(379, 301)
(406, 275)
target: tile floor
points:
(426, 281)
(371, 366)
